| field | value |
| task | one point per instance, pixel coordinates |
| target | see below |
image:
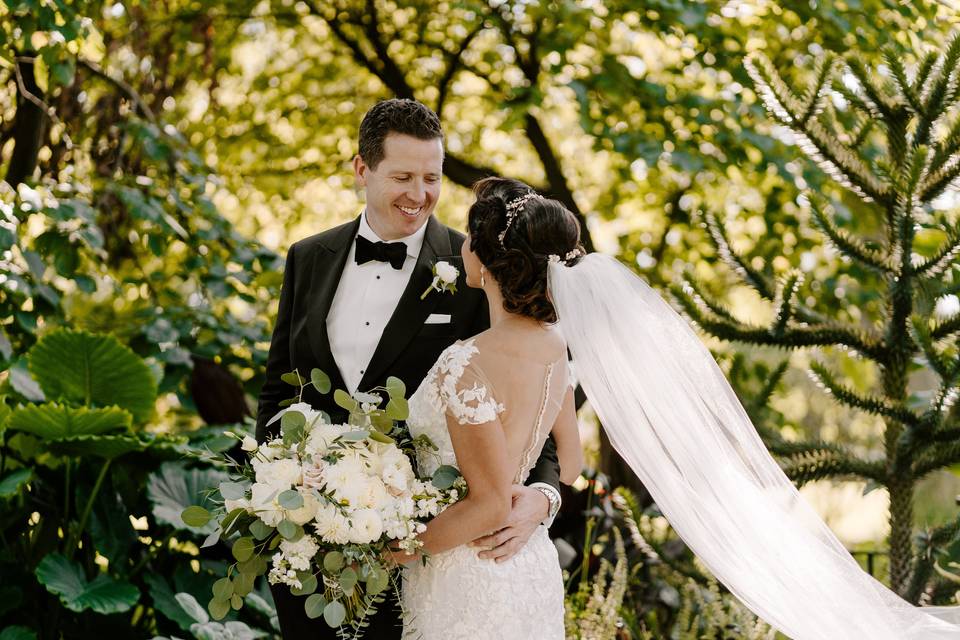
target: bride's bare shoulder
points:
(526, 343)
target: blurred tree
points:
(893, 143)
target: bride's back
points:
(526, 368)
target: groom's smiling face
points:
(403, 189)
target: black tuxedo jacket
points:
(407, 349)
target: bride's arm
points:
(481, 451)
(566, 434)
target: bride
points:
(490, 401)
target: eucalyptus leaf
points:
(314, 605)
(348, 579)
(395, 387)
(218, 608)
(289, 531)
(195, 516)
(260, 530)
(293, 378)
(343, 399)
(222, 588)
(233, 490)
(333, 561)
(308, 584)
(290, 499)
(320, 380)
(397, 409)
(445, 476)
(334, 614)
(243, 548)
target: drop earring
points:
(483, 282)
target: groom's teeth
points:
(409, 211)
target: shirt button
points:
(361, 370)
(367, 323)
(378, 277)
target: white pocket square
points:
(438, 318)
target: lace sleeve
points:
(463, 389)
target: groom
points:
(351, 306)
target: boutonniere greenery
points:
(444, 278)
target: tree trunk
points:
(29, 127)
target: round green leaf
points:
(94, 370)
(314, 605)
(222, 588)
(320, 380)
(348, 579)
(395, 387)
(233, 490)
(260, 530)
(343, 399)
(293, 378)
(243, 548)
(308, 584)
(236, 602)
(289, 530)
(103, 594)
(195, 516)
(218, 608)
(243, 583)
(397, 409)
(333, 561)
(292, 420)
(380, 437)
(334, 614)
(445, 476)
(290, 499)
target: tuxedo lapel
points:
(411, 311)
(324, 276)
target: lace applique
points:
(465, 398)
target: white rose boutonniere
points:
(444, 278)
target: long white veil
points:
(673, 417)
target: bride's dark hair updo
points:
(517, 254)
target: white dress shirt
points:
(365, 300)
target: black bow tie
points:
(393, 252)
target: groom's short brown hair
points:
(397, 115)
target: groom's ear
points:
(360, 169)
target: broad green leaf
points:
(192, 607)
(290, 499)
(23, 383)
(445, 476)
(110, 446)
(395, 387)
(397, 409)
(12, 483)
(218, 608)
(243, 583)
(52, 421)
(260, 530)
(333, 561)
(320, 380)
(174, 487)
(293, 378)
(289, 530)
(334, 613)
(103, 594)
(243, 548)
(18, 632)
(308, 584)
(314, 605)
(380, 437)
(168, 603)
(236, 603)
(195, 516)
(222, 588)
(93, 369)
(348, 579)
(343, 399)
(232, 490)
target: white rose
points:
(305, 513)
(321, 437)
(278, 473)
(366, 526)
(446, 272)
(249, 443)
(264, 504)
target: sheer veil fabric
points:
(670, 412)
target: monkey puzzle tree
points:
(890, 142)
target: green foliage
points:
(891, 175)
(103, 594)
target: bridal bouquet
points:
(316, 508)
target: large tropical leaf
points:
(110, 528)
(165, 601)
(93, 369)
(174, 487)
(18, 632)
(103, 594)
(54, 421)
(11, 483)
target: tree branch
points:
(454, 64)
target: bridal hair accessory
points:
(567, 258)
(514, 207)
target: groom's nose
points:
(417, 191)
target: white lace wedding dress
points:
(458, 596)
